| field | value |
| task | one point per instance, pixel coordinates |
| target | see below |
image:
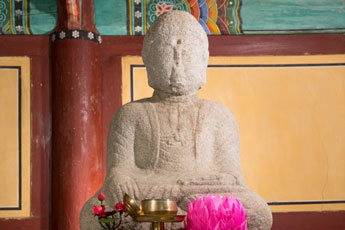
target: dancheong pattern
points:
(216, 17)
(14, 17)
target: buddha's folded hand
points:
(217, 179)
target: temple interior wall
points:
(286, 91)
(289, 110)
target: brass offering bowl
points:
(159, 207)
(131, 206)
(156, 211)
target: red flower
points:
(98, 210)
(120, 207)
(101, 196)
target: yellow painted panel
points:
(9, 143)
(14, 181)
(291, 122)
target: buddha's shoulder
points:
(132, 109)
(217, 113)
(215, 107)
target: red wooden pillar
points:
(76, 112)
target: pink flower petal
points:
(216, 213)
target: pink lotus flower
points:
(216, 213)
(98, 210)
(120, 207)
(101, 196)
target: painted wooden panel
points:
(291, 16)
(14, 137)
(9, 137)
(217, 17)
(111, 17)
(223, 17)
(14, 17)
(27, 16)
(37, 48)
(290, 111)
(42, 16)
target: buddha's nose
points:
(178, 52)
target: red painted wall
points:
(38, 49)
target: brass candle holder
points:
(156, 211)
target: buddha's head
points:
(175, 53)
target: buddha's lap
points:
(158, 188)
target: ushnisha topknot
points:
(175, 53)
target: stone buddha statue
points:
(175, 145)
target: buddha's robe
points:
(176, 147)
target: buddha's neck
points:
(173, 98)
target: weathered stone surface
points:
(174, 144)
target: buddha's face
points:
(176, 55)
